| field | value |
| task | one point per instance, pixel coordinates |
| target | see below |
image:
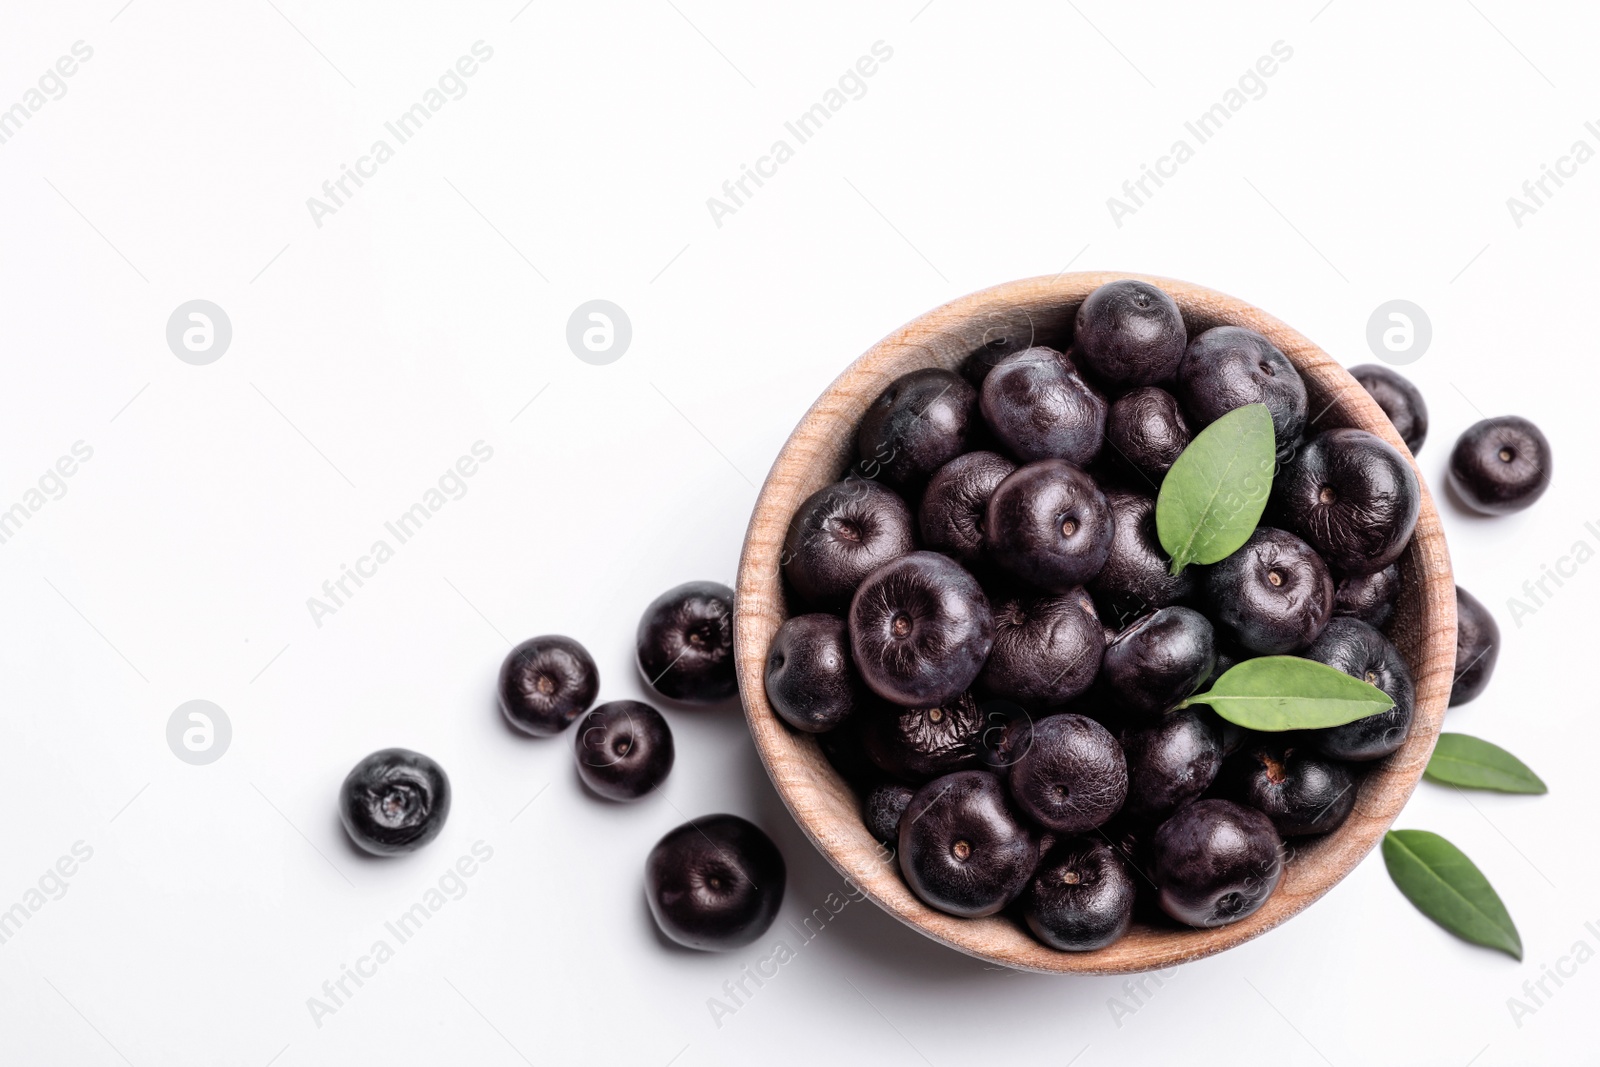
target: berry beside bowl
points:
(807, 551)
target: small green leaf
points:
(1212, 498)
(1449, 889)
(1278, 693)
(1460, 759)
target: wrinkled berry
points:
(953, 507)
(1228, 367)
(1146, 430)
(1047, 648)
(1039, 407)
(394, 801)
(1073, 776)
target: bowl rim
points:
(817, 453)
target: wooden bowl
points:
(1041, 311)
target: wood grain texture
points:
(1040, 310)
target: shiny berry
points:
(546, 683)
(809, 680)
(1275, 594)
(1399, 399)
(1129, 333)
(715, 883)
(1477, 648)
(1362, 652)
(962, 850)
(394, 801)
(1215, 862)
(624, 749)
(920, 630)
(1351, 496)
(1081, 897)
(1049, 524)
(1500, 465)
(916, 425)
(842, 533)
(685, 643)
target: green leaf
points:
(1449, 889)
(1212, 498)
(1460, 759)
(1278, 693)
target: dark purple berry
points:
(915, 744)
(1129, 333)
(1137, 577)
(1275, 594)
(1146, 430)
(1073, 777)
(546, 683)
(1300, 792)
(961, 848)
(953, 507)
(882, 807)
(1039, 407)
(1081, 896)
(1368, 597)
(810, 681)
(1047, 648)
(624, 749)
(915, 426)
(1500, 465)
(842, 533)
(1159, 660)
(1228, 367)
(685, 644)
(920, 630)
(1399, 399)
(1170, 763)
(394, 801)
(1477, 648)
(715, 883)
(1360, 651)
(1049, 524)
(1215, 862)
(1351, 496)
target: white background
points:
(369, 353)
